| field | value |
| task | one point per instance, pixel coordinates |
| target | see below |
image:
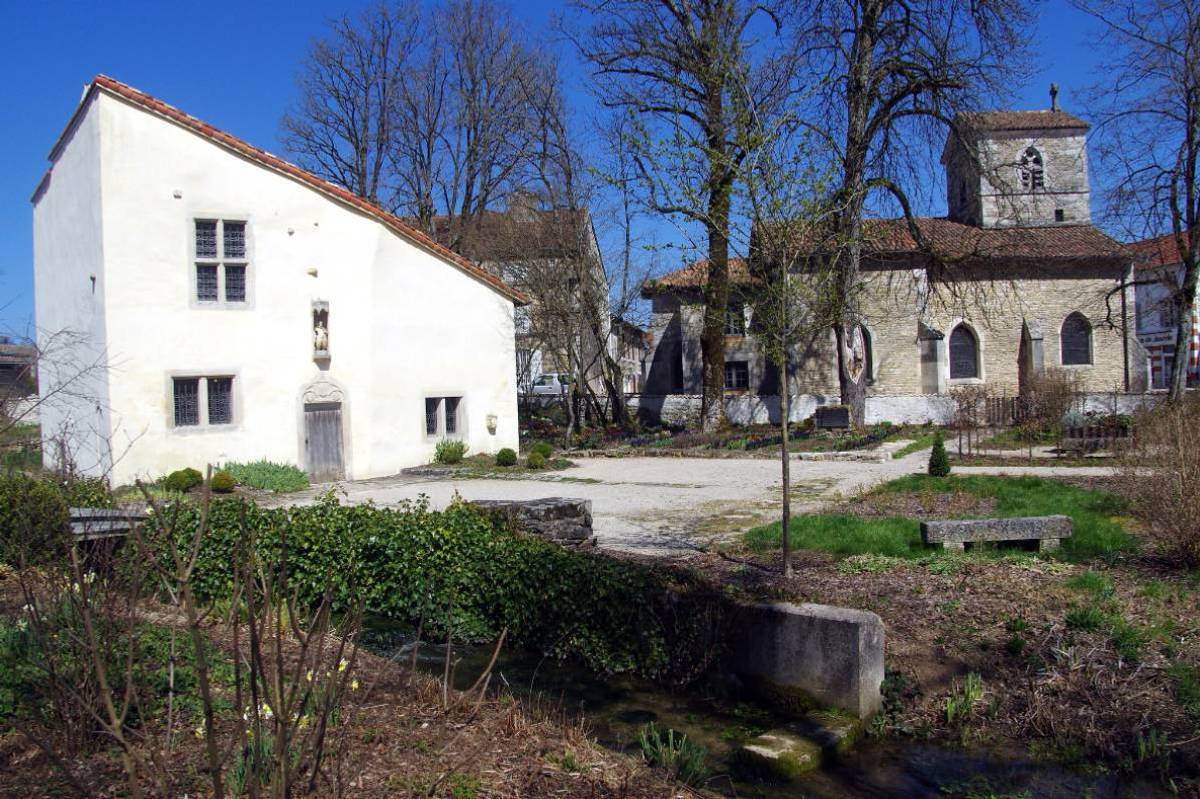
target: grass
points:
(1096, 532)
(924, 441)
(267, 476)
(21, 447)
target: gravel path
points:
(669, 506)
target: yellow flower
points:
(200, 731)
(309, 676)
(354, 684)
(303, 722)
(342, 664)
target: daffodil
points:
(342, 664)
(354, 684)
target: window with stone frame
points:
(212, 395)
(443, 416)
(735, 319)
(1032, 170)
(1076, 340)
(737, 375)
(964, 353)
(221, 261)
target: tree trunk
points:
(785, 463)
(716, 290)
(852, 374)
(1185, 302)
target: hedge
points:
(460, 570)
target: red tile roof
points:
(1022, 120)
(1155, 252)
(950, 242)
(695, 275)
(955, 241)
(265, 159)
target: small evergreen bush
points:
(939, 461)
(33, 519)
(542, 448)
(450, 450)
(506, 457)
(222, 482)
(182, 480)
(268, 476)
(536, 461)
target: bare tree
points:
(343, 126)
(889, 73)
(1149, 110)
(490, 126)
(685, 70)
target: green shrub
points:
(222, 482)
(87, 492)
(461, 573)
(542, 448)
(939, 462)
(536, 461)
(267, 476)
(506, 457)
(33, 519)
(1086, 618)
(183, 480)
(450, 450)
(686, 761)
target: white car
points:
(550, 384)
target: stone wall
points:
(562, 520)
(898, 304)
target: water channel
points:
(617, 708)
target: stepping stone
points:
(781, 755)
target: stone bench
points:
(566, 521)
(94, 524)
(1048, 531)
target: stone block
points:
(561, 519)
(779, 755)
(953, 534)
(811, 655)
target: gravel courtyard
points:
(666, 506)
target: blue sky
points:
(234, 65)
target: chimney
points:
(1054, 97)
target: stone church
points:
(1013, 281)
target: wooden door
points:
(323, 441)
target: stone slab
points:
(779, 755)
(560, 519)
(811, 655)
(971, 531)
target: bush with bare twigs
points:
(1160, 473)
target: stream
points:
(617, 708)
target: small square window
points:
(1060, 215)
(206, 239)
(735, 319)
(187, 401)
(220, 400)
(235, 284)
(206, 282)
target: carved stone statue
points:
(856, 352)
(320, 337)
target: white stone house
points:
(1159, 273)
(243, 308)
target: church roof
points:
(1021, 120)
(274, 163)
(955, 241)
(949, 242)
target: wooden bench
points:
(96, 524)
(1048, 531)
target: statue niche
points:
(320, 329)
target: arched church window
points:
(1033, 175)
(1076, 340)
(964, 353)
